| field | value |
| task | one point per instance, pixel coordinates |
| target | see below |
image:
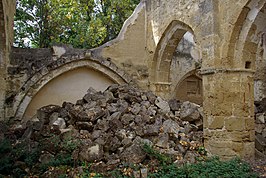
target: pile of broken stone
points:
(260, 128)
(109, 129)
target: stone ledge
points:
(209, 71)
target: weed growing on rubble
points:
(59, 160)
(70, 145)
(163, 159)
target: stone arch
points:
(239, 44)
(48, 73)
(165, 50)
(230, 101)
(245, 44)
(160, 73)
(189, 88)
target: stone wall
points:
(259, 78)
(228, 39)
(7, 10)
(222, 32)
(39, 76)
(185, 79)
(128, 51)
(67, 87)
(190, 88)
(260, 128)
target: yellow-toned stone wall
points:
(222, 31)
(229, 110)
(7, 10)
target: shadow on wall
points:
(69, 86)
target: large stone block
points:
(220, 148)
(250, 123)
(237, 146)
(235, 124)
(221, 109)
(242, 109)
(248, 151)
(242, 136)
(215, 122)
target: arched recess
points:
(165, 50)
(235, 88)
(36, 83)
(189, 88)
(254, 51)
(241, 50)
(246, 48)
(161, 64)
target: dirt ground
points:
(259, 165)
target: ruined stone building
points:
(211, 52)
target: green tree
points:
(81, 23)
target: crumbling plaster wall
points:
(128, 51)
(67, 87)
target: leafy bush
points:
(213, 167)
(6, 162)
(19, 152)
(59, 160)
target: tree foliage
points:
(81, 23)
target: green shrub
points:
(59, 160)
(210, 168)
(6, 162)
(70, 145)
(5, 146)
(20, 152)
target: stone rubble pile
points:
(260, 128)
(110, 128)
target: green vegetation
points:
(81, 23)
(208, 168)
(62, 159)
(163, 159)
(213, 167)
(28, 157)
(16, 157)
(20, 152)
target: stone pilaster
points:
(229, 112)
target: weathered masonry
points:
(212, 51)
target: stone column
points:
(2, 61)
(229, 112)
